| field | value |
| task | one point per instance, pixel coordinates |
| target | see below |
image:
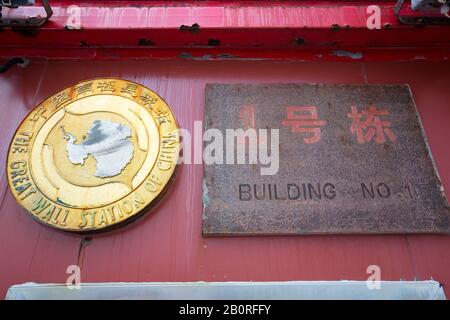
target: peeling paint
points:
(193, 28)
(335, 27)
(344, 53)
(205, 193)
(185, 55)
(299, 41)
(25, 63)
(213, 42)
(145, 42)
(226, 56)
(206, 200)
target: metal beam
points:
(297, 30)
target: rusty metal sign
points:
(352, 159)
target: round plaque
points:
(94, 156)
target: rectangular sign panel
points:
(318, 159)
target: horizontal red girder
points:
(115, 29)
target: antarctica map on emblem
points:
(94, 156)
(107, 142)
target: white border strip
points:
(290, 290)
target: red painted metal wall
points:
(167, 245)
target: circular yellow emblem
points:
(93, 156)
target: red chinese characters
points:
(247, 117)
(368, 126)
(304, 119)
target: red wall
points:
(167, 245)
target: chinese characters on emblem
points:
(131, 89)
(60, 99)
(162, 115)
(107, 86)
(84, 88)
(148, 99)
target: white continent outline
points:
(108, 142)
